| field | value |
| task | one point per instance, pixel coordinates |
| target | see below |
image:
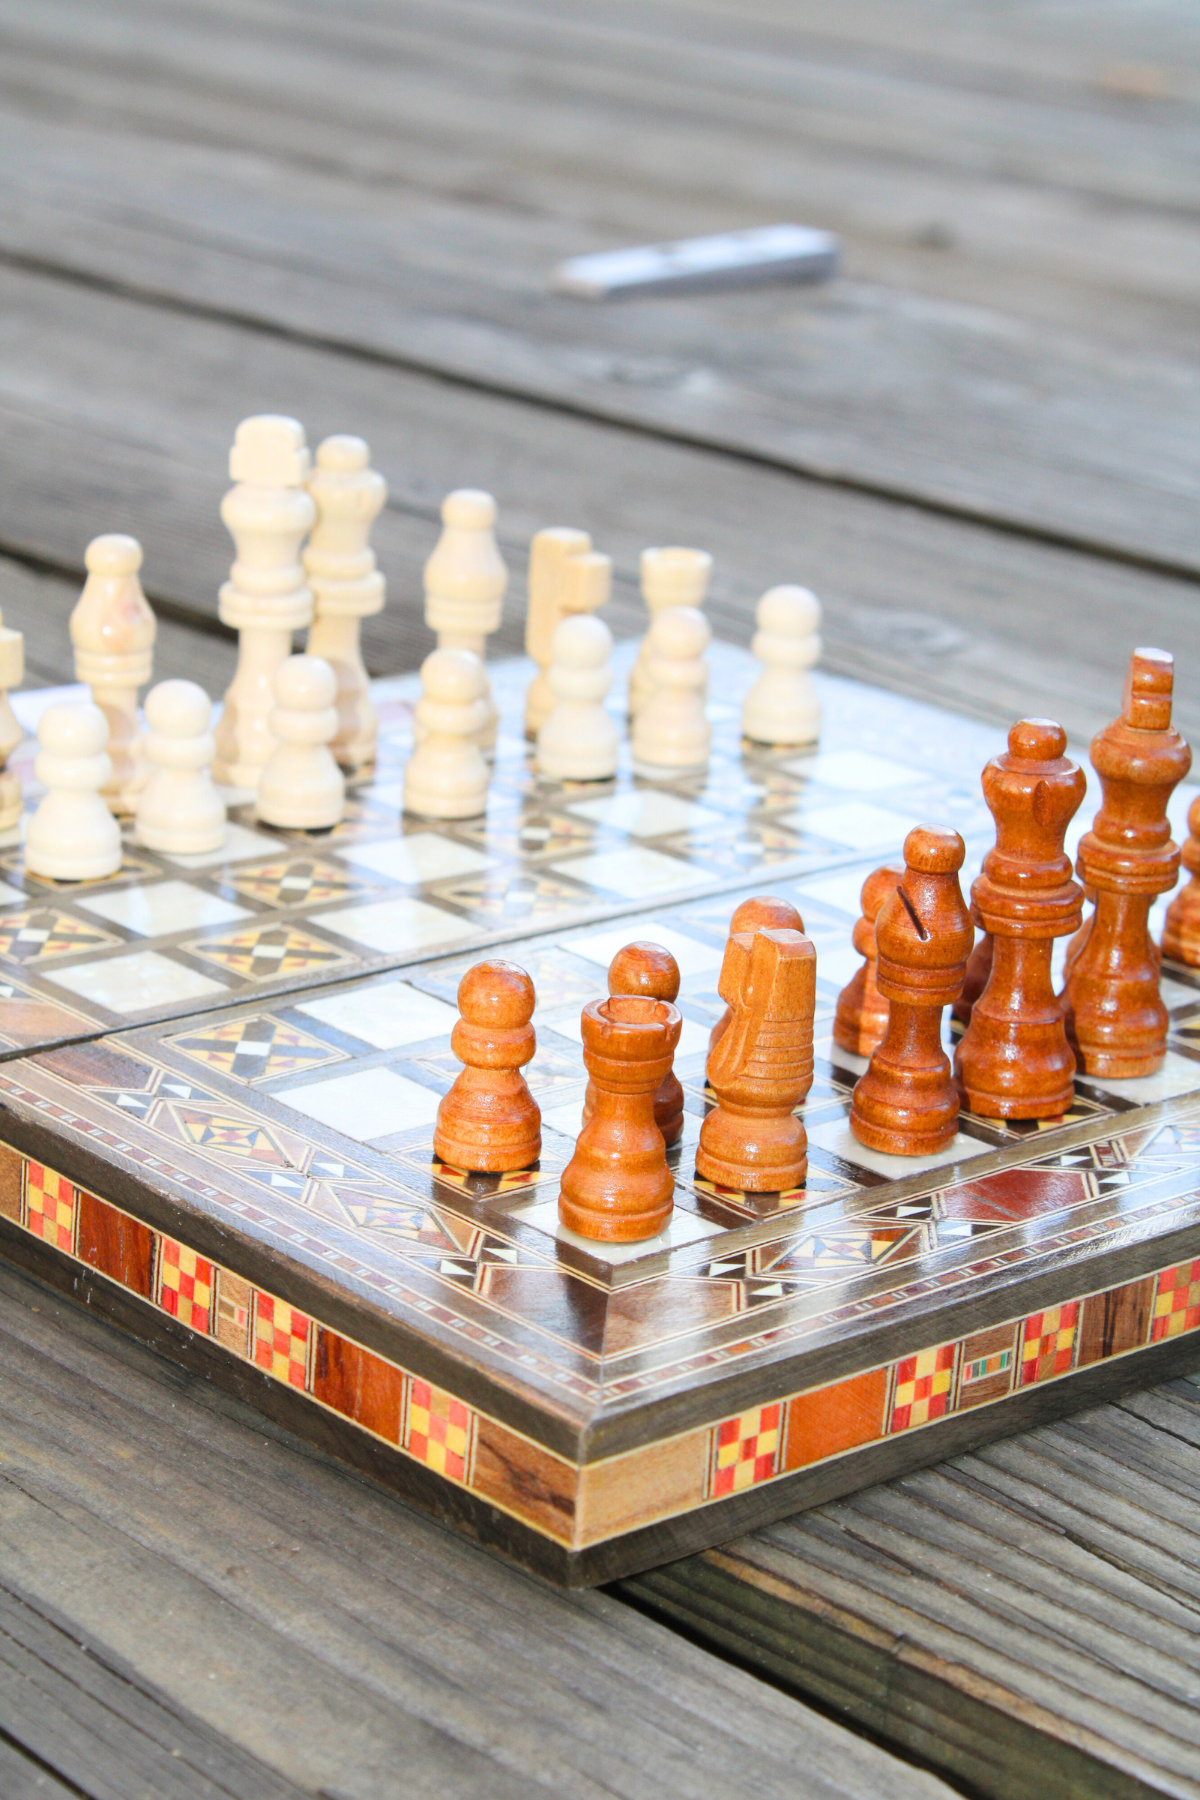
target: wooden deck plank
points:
(1024, 1617)
(352, 191)
(128, 424)
(314, 1624)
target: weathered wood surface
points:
(176, 1575)
(115, 416)
(1027, 1618)
(1014, 338)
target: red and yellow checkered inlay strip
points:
(1048, 1343)
(1177, 1302)
(923, 1384)
(746, 1450)
(185, 1285)
(281, 1338)
(50, 1204)
(438, 1430)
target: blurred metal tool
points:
(730, 259)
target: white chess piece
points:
(113, 630)
(302, 787)
(670, 730)
(72, 836)
(579, 740)
(179, 811)
(346, 585)
(670, 576)
(446, 776)
(782, 706)
(465, 581)
(565, 576)
(266, 596)
(12, 673)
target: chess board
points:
(241, 1172)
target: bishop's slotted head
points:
(489, 1121)
(906, 1104)
(1115, 1015)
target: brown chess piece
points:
(1115, 1015)
(979, 969)
(761, 911)
(1181, 933)
(644, 968)
(762, 1066)
(489, 1120)
(862, 1012)
(906, 1103)
(1014, 1061)
(617, 1186)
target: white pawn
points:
(302, 787)
(782, 706)
(465, 581)
(179, 811)
(112, 630)
(266, 596)
(578, 742)
(670, 576)
(446, 776)
(670, 730)
(346, 585)
(565, 576)
(72, 836)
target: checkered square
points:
(51, 1207)
(437, 1430)
(185, 1285)
(1048, 1343)
(1177, 1302)
(746, 1450)
(281, 1340)
(923, 1384)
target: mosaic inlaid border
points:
(582, 1506)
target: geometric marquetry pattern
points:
(441, 1432)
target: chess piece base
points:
(861, 1019)
(488, 1123)
(745, 1149)
(921, 1123)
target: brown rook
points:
(1181, 933)
(759, 912)
(762, 1066)
(1014, 1061)
(644, 968)
(862, 1012)
(489, 1120)
(1115, 1015)
(617, 1186)
(906, 1103)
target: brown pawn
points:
(617, 1186)
(1181, 933)
(862, 1012)
(761, 912)
(906, 1103)
(489, 1120)
(1014, 1061)
(979, 969)
(645, 968)
(763, 1065)
(1115, 1015)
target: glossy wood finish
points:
(1116, 1018)
(1181, 932)
(617, 1186)
(1014, 1061)
(489, 1120)
(645, 968)
(762, 1067)
(761, 911)
(979, 968)
(862, 1012)
(906, 1104)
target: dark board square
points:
(115, 1244)
(358, 1384)
(1115, 1321)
